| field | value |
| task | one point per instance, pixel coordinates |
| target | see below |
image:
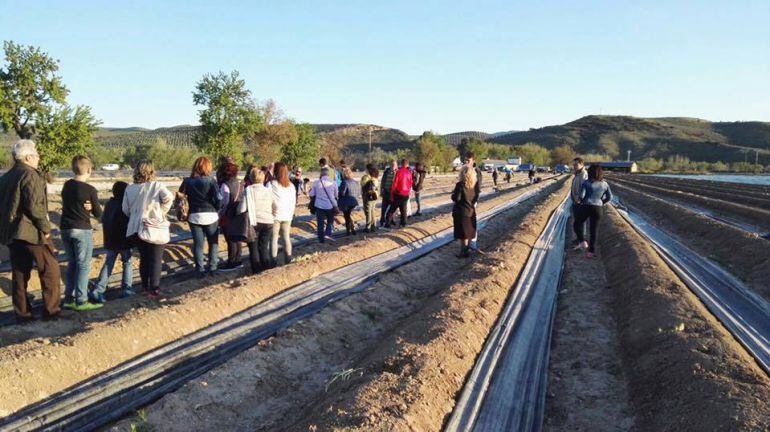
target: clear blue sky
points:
(414, 65)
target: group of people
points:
(257, 210)
(338, 192)
(589, 193)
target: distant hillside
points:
(356, 136)
(700, 140)
(455, 138)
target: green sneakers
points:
(87, 306)
(70, 306)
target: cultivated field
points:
(392, 331)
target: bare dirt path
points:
(587, 389)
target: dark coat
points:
(464, 211)
(202, 194)
(419, 177)
(115, 225)
(23, 206)
(349, 194)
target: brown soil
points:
(751, 215)
(56, 355)
(262, 387)
(587, 389)
(742, 254)
(724, 191)
(410, 380)
(685, 371)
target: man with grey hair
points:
(26, 231)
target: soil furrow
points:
(261, 388)
(742, 254)
(685, 371)
(412, 377)
(751, 215)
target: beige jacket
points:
(577, 181)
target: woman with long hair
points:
(284, 202)
(594, 194)
(146, 203)
(464, 196)
(204, 199)
(231, 191)
(349, 193)
(370, 188)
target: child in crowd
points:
(370, 186)
(114, 225)
(80, 200)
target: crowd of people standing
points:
(257, 210)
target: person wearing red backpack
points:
(399, 192)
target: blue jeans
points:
(79, 246)
(109, 264)
(201, 233)
(322, 216)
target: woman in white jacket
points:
(284, 202)
(259, 204)
(146, 203)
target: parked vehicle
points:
(111, 167)
(562, 169)
(526, 167)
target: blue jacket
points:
(595, 193)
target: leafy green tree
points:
(499, 151)
(403, 153)
(479, 148)
(562, 155)
(446, 156)
(229, 115)
(719, 166)
(33, 103)
(303, 149)
(276, 132)
(650, 164)
(532, 153)
(63, 134)
(427, 148)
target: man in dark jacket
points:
(27, 232)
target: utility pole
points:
(370, 143)
(756, 159)
(628, 156)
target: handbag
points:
(155, 226)
(335, 209)
(239, 228)
(311, 205)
